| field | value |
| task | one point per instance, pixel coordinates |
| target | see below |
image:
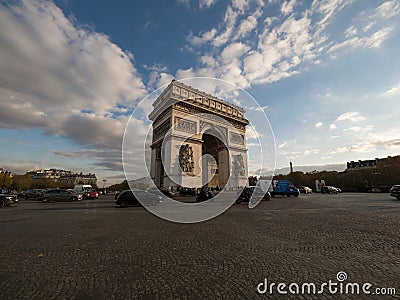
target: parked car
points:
(90, 194)
(11, 194)
(6, 200)
(255, 191)
(187, 191)
(327, 189)
(60, 195)
(130, 197)
(375, 190)
(166, 192)
(395, 191)
(33, 194)
(305, 190)
(285, 188)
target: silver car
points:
(60, 195)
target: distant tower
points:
(291, 167)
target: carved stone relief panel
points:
(185, 125)
(186, 161)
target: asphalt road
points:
(94, 250)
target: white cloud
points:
(351, 31)
(319, 124)
(240, 5)
(358, 129)
(53, 69)
(361, 147)
(248, 24)
(206, 3)
(327, 9)
(339, 150)
(373, 41)
(258, 108)
(283, 145)
(203, 38)
(369, 29)
(393, 90)
(311, 151)
(285, 44)
(351, 116)
(288, 6)
(332, 126)
(388, 9)
(253, 133)
(229, 21)
(234, 51)
(58, 66)
(202, 4)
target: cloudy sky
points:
(72, 71)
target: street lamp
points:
(104, 184)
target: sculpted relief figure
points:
(186, 161)
(238, 165)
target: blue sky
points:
(72, 71)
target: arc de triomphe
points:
(198, 140)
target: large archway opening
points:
(215, 163)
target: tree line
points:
(25, 182)
(384, 176)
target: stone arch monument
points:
(198, 140)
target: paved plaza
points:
(94, 250)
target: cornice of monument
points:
(201, 100)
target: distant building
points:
(47, 173)
(372, 163)
(361, 164)
(73, 179)
(63, 177)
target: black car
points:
(6, 200)
(128, 197)
(33, 194)
(395, 191)
(187, 192)
(8, 194)
(256, 192)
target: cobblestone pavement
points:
(93, 250)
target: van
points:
(285, 188)
(80, 188)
